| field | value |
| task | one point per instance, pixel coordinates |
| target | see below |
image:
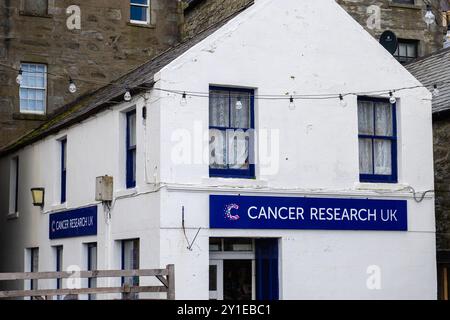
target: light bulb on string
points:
(127, 96)
(429, 17)
(183, 101)
(239, 103)
(72, 86)
(291, 103)
(435, 90)
(342, 102)
(392, 99)
(19, 77)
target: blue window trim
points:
(375, 178)
(63, 170)
(130, 177)
(236, 173)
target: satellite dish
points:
(389, 41)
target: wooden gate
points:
(165, 276)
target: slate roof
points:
(434, 69)
(136, 81)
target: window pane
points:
(212, 278)
(365, 117)
(217, 149)
(383, 119)
(138, 13)
(240, 110)
(365, 156)
(411, 50)
(38, 7)
(215, 244)
(238, 244)
(132, 129)
(383, 157)
(218, 108)
(131, 259)
(402, 49)
(238, 142)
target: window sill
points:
(405, 6)
(29, 116)
(12, 216)
(141, 25)
(125, 192)
(58, 207)
(35, 15)
(381, 186)
(234, 182)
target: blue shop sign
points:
(73, 223)
(242, 212)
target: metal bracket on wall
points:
(190, 244)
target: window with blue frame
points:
(130, 261)
(231, 120)
(59, 266)
(63, 170)
(131, 149)
(377, 140)
(140, 11)
(92, 266)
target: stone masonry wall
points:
(106, 47)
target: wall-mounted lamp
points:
(38, 196)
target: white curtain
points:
(238, 142)
(240, 117)
(382, 157)
(217, 149)
(218, 109)
(383, 119)
(365, 156)
(365, 117)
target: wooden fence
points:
(165, 276)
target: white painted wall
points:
(274, 48)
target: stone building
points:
(404, 17)
(44, 39)
(435, 70)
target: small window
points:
(377, 140)
(58, 265)
(407, 51)
(131, 149)
(130, 261)
(231, 121)
(35, 7)
(14, 186)
(91, 266)
(140, 11)
(63, 170)
(33, 88)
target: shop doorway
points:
(243, 269)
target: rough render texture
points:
(106, 47)
(441, 132)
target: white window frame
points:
(144, 6)
(44, 111)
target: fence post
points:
(171, 282)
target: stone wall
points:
(106, 47)
(441, 132)
(203, 14)
(405, 20)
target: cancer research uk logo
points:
(229, 215)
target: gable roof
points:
(136, 81)
(434, 69)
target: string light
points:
(19, 77)
(429, 17)
(435, 90)
(238, 104)
(392, 99)
(291, 103)
(323, 96)
(127, 96)
(183, 101)
(72, 86)
(342, 101)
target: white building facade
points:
(250, 196)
